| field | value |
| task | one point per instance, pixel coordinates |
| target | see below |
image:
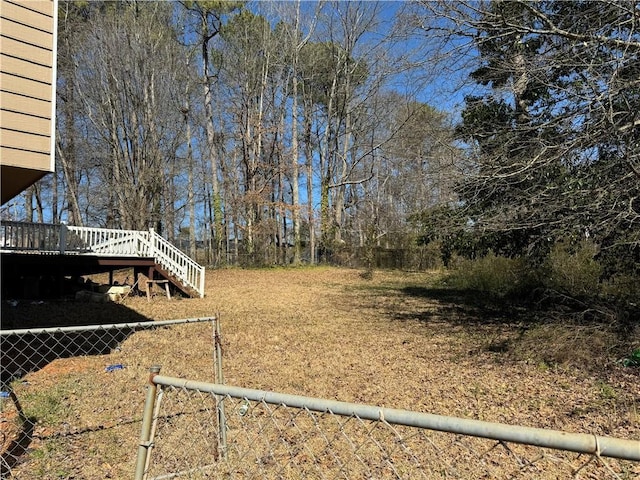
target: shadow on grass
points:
(64, 313)
(549, 334)
(18, 445)
(466, 307)
(26, 352)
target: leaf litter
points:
(322, 332)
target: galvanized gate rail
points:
(592, 445)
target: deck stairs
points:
(170, 262)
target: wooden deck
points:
(49, 254)
(33, 275)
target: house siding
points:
(28, 31)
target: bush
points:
(496, 275)
(568, 343)
(429, 257)
(623, 288)
(573, 269)
(570, 276)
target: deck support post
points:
(137, 271)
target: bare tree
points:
(129, 90)
(73, 27)
(209, 19)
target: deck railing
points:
(70, 240)
(106, 241)
(177, 263)
(29, 237)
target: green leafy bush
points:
(570, 270)
(633, 360)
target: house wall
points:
(28, 33)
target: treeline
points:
(264, 133)
(288, 132)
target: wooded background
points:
(397, 134)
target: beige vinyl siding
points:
(13, 156)
(12, 83)
(14, 10)
(29, 22)
(17, 140)
(27, 91)
(27, 67)
(25, 105)
(21, 122)
(45, 7)
(18, 49)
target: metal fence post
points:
(147, 420)
(219, 378)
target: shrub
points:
(567, 343)
(429, 256)
(623, 288)
(570, 271)
(496, 275)
(573, 269)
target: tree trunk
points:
(309, 173)
(295, 172)
(190, 188)
(28, 204)
(216, 226)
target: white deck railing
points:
(30, 237)
(105, 242)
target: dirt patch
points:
(64, 366)
(10, 428)
(321, 332)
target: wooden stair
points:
(176, 282)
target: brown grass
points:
(322, 332)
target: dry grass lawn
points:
(326, 332)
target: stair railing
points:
(68, 239)
(177, 263)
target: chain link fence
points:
(203, 430)
(26, 351)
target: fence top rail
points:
(111, 326)
(559, 440)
